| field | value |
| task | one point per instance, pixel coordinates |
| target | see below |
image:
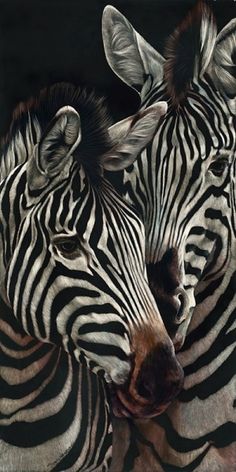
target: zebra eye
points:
(67, 246)
(218, 166)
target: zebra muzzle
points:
(155, 380)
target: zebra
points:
(80, 332)
(183, 186)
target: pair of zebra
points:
(73, 278)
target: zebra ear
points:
(54, 150)
(131, 136)
(128, 54)
(223, 65)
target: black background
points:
(44, 41)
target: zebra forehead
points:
(40, 110)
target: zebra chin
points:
(125, 407)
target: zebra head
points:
(183, 184)
(73, 249)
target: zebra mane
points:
(188, 51)
(39, 111)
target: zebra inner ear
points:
(58, 142)
(127, 53)
(131, 136)
(55, 148)
(223, 65)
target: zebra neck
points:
(11, 329)
(54, 412)
(21, 357)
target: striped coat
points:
(76, 308)
(183, 186)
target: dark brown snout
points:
(161, 377)
(165, 282)
(155, 380)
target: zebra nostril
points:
(145, 389)
(182, 300)
(180, 309)
(145, 383)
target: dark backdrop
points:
(43, 41)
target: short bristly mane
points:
(37, 113)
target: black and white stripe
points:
(74, 290)
(183, 186)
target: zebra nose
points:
(156, 377)
(150, 392)
(165, 275)
(160, 378)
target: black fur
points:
(93, 114)
(183, 53)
